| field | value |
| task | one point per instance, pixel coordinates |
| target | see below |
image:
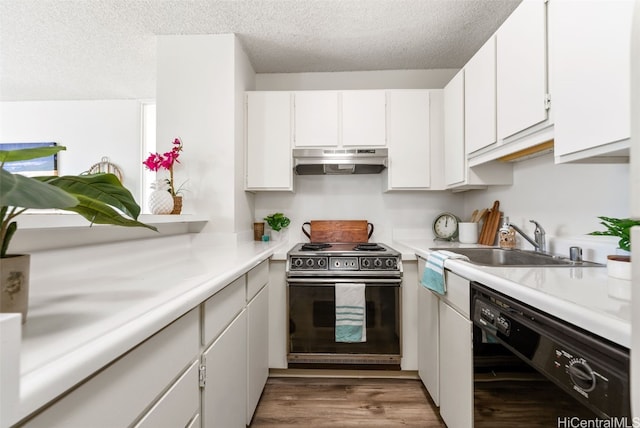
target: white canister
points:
(468, 232)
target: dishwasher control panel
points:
(491, 318)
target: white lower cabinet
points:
(428, 346)
(257, 348)
(178, 406)
(456, 368)
(119, 394)
(445, 349)
(225, 390)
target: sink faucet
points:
(538, 241)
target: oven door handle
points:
(331, 281)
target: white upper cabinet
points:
(457, 173)
(590, 71)
(455, 159)
(522, 69)
(506, 90)
(480, 98)
(409, 140)
(268, 136)
(363, 118)
(316, 119)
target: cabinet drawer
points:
(221, 308)
(130, 384)
(257, 278)
(178, 405)
(457, 293)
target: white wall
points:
(198, 87)
(383, 79)
(89, 130)
(355, 197)
(244, 201)
(566, 199)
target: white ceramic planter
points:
(14, 284)
(619, 267)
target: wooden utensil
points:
(474, 214)
(490, 226)
(489, 235)
(481, 215)
(338, 230)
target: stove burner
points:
(314, 247)
(368, 246)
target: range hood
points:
(337, 161)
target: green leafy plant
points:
(100, 198)
(619, 227)
(277, 221)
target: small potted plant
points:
(100, 198)
(618, 266)
(277, 222)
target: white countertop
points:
(109, 298)
(585, 297)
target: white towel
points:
(351, 316)
(433, 276)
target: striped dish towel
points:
(351, 319)
(433, 275)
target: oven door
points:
(311, 304)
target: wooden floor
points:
(534, 403)
(322, 402)
(357, 402)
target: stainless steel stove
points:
(344, 261)
(313, 270)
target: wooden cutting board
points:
(338, 230)
(490, 226)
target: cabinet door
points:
(268, 136)
(178, 406)
(363, 118)
(456, 368)
(590, 70)
(257, 349)
(224, 397)
(455, 159)
(522, 69)
(480, 98)
(409, 139)
(316, 118)
(428, 347)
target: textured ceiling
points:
(104, 49)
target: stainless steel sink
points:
(516, 258)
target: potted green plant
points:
(618, 266)
(100, 198)
(277, 222)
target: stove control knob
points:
(297, 262)
(377, 263)
(389, 263)
(321, 262)
(581, 375)
(366, 263)
(310, 262)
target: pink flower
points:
(153, 161)
(156, 161)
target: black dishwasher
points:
(589, 368)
